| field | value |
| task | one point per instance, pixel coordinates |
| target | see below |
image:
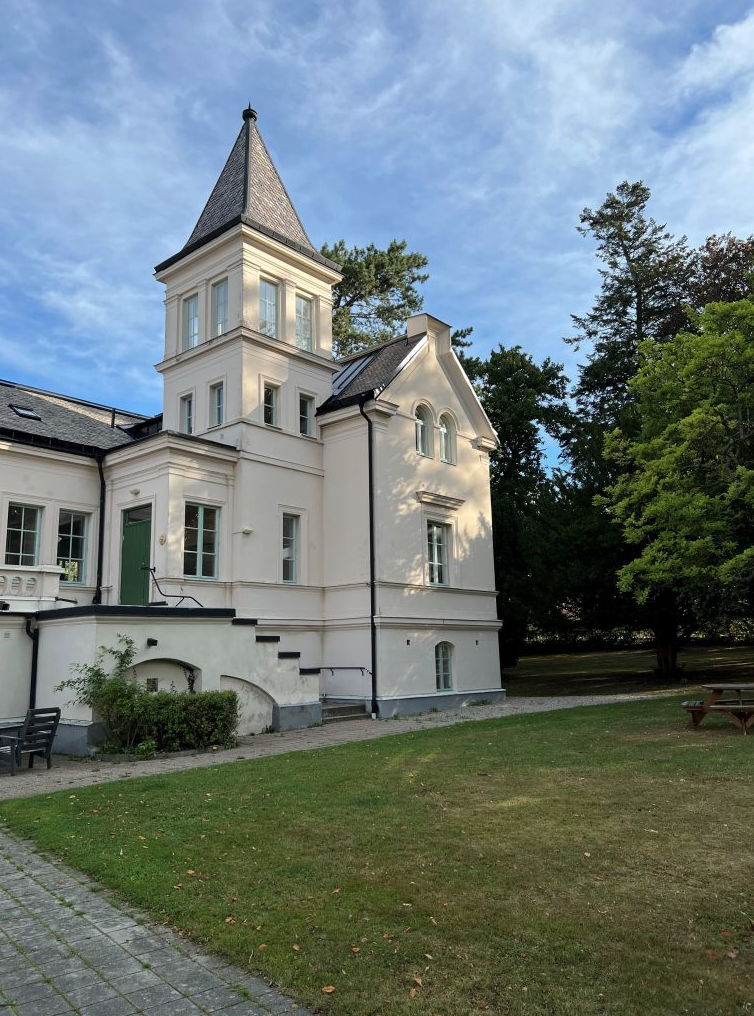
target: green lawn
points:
(592, 861)
(624, 670)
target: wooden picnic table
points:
(733, 699)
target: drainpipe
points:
(372, 583)
(32, 630)
(98, 458)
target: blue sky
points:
(476, 131)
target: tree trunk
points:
(665, 628)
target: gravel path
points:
(67, 772)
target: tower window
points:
(306, 415)
(304, 329)
(216, 404)
(270, 407)
(187, 414)
(191, 321)
(220, 307)
(268, 308)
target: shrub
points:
(165, 721)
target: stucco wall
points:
(15, 666)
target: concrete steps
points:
(336, 710)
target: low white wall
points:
(15, 666)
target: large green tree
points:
(684, 494)
(377, 294)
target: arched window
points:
(447, 439)
(444, 666)
(421, 420)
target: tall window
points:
(306, 415)
(444, 666)
(220, 307)
(22, 538)
(290, 548)
(268, 308)
(303, 323)
(200, 541)
(271, 405)
(216, 404)
(438, 544)
(187, 414)
(447, 439)
(72, 537)
(191, 321)
(421, 420)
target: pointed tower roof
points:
(249, 191)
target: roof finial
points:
(249, 113)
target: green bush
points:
(132, 716)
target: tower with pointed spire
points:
(248, 307)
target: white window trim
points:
(181, 416)
(218, 540)
(211, 387)
(278, 306)
(429, 427)
(300, 394)
(312, 308)
(23, 502)
(268, 382)
(87, 531)
(453, 460)
(302, 562)
(185, 344)
(450, 523)
(213, 306)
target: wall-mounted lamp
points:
(151, 642)
(134, 491)
(4, 605)
(247, 530)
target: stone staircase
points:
(336, 710)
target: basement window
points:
(25, 413)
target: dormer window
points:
(191, 321)
(421, 422)
(268, 308)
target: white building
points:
(315, 529)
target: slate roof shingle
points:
(380, 365)
(63, 421)
(249, 190)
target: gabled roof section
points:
(367, 373)
(249, 191)
(59, 421)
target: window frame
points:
(304, 340)
(270, 329)
(186, 415)
(24, 506)
(294, 545)
(187, 331)
(83, 560)
(444, 666)
(216, 409)
(438, 564)
(219, 324)
(273, 406)
(310, 424)
(201, 529)
(422, 430)
(447, 439)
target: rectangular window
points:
(290, 548)
(220, 307)
(73, 530)
(438, 544)
(200, 541)
(187, 414)
(216, 404)
(306, 415)
(268, 308)
(191, 321)
(271, 405)
(303, 323)
(22, 538)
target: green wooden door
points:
(135, 555)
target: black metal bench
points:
(32, 737)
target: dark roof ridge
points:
(72, 398)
